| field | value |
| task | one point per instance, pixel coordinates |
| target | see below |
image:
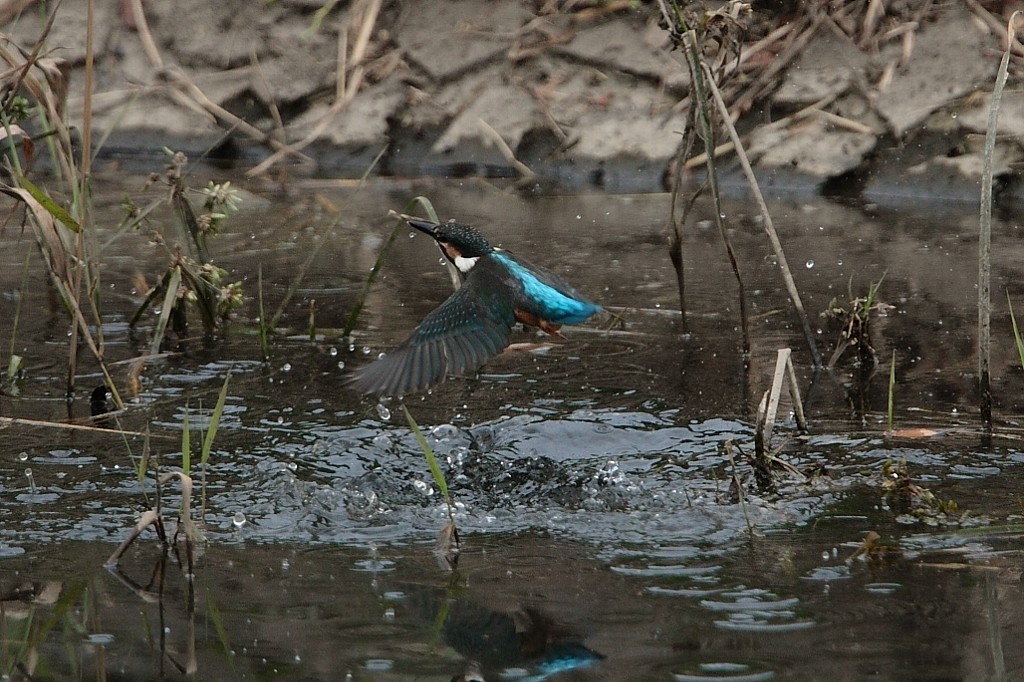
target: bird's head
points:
(461, 244)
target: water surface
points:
(604, 537)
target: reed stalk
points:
(985, 237)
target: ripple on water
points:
(730, 672)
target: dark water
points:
(603, 538)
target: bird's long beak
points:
(423, 226)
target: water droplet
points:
(422, 487)
(238, 519)
(22, 456)
(411, 235)
(953, 115)
(286, 367)
(810, 264)
(824, 555)
(332, 351)
(579, 217)
(383, 412)
(365, 350)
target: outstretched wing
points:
(458, 337)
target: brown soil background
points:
(874, 99)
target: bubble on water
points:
(286, 367)
(412, 234)
(238, 520)
(99, 639)
(825, 555)
(285, 564)
(389, 614)
(809, 264)
(365, 350)
(341, 364)
(443, 432)
(383, 412)
(332, 351)
(22, 456)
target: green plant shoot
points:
(428, 452)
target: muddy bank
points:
(856, 102)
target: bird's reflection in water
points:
(523, 642)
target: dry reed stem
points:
(780, 62)
(985, 232)
(525, 171)
(7, 422)
(1007, 33)
(191, 96)
(769, 226)
(814, 109)
(349, 79)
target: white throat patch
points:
(465, 264)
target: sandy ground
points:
(882, 105)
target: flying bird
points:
(475, 323)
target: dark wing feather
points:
(468, 329)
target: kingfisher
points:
(475, 323)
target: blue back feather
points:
(555, 305)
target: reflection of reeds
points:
(1017, 339)
(400, 226)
